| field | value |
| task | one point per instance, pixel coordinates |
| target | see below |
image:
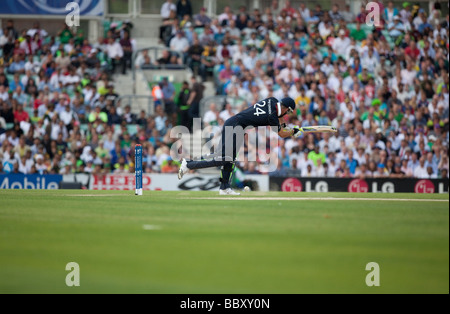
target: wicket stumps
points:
(138, 168)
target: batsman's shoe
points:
(228, 192)
(183, 169)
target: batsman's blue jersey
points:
(263, 113)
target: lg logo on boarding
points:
(73, 17)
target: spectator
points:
(334, 14)
(17, 66)
(69, 47)
(19, 96)
(195, 97)
(390, 12)
(432, 163)
(111, 95)
(381, 172)
(6, 112)
(194, 54)
(113, 117)
(168, 91)
(29, 46)
(347, 14)
(169, 166)
(127, 49)
(65, 34)
(412, 51)
(168, 25)
(405, 12)
(208, 60)
(226, 16)
(316, 155)
(10, 29)
(183, 107)
(31, 88)
(352, 163)
(37, 30)
(31, 65)
(143, 60)
(406, 169)
(358, 34)
(179, 43)
(430, 173)
(166, 8)
(211, 116)
(4, 81)
(252, 168)
(128, 116)
(4, 95)
(396, 27)
(165, 58)
(115, 54)
(19, 114)
(62, 60)
(183, 8)
(98, 116)
(341, 43)
(250, 60)
(21, 148)
(227, 113)
(201, 19)
(68, 117)
(224, 77)
(421, 171)
(160, 121)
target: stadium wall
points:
(354, 185)
(193, 182)
(30, 181)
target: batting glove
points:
(297, 131)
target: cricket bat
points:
(319, 129)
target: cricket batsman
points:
(267, 112)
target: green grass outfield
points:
(198, 242)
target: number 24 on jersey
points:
(258, 110)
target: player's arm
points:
(285, 131)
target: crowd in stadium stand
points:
(384, 87)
